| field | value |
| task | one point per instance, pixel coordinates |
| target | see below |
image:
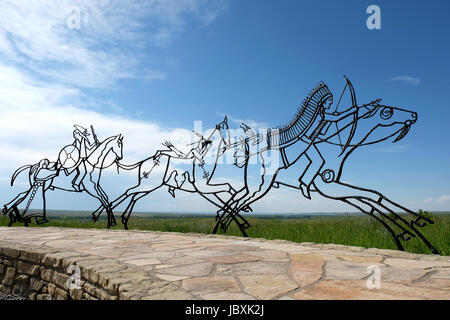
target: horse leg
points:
(384, 203)
(14, 216)
(125, 214)
(96, 214)
(108, 214)
(113, 218)
(226, 208)
(105, 201)
(17, 199)
(234, 206)
(11, 220)
(134, 198)
(346, 200)
(221, 220)
(370, 198)
(241, 225)
(380, 201)
(407, 223)
(10, 216)
(224, 222)
(111, 221)
(133, 201)
(253, 194)
(43, 218)
(216, 227)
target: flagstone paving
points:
(158, 265)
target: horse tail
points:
(18, 171)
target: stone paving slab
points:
(196, 266)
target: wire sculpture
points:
(82, 158)
(313, 135)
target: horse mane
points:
(101, 147)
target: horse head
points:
(223, 125)
(117, 146)
(223, 129)
(388, 121)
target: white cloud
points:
(394, 148)
(443, 199)
(407, 79)
(440, 203)
(45, 67)
(255, 125)
(107, 47)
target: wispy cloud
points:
(394, 148)
(46, 67)
(443, 198)
(441, 202)
(109, 44)
(255, 125)
(407, 79)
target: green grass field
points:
(354, 230)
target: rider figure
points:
(324, 120)
(243, 151)
(197, 152)
(83, 145)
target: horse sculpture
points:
(46, 175)
(395, 122)
(162, 169)
(322, 138)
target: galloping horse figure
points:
(47, 175)
(162, 169)
(301, 139)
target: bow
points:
(355, 117)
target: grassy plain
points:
(352, 230)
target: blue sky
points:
(150, 69)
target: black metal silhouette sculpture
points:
(313, 135)
(81, 158)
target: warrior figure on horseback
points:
(84, 146)
(321, 100)
(81, 157)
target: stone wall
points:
(40, 273)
